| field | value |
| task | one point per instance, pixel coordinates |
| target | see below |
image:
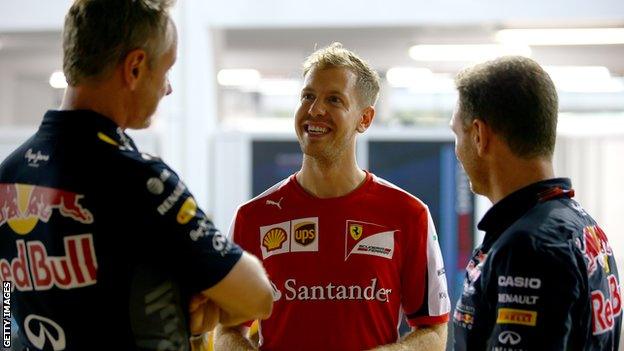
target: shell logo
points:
(274, 239)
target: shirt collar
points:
(86, 121)
(504, 213)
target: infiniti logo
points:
(40, 329)
(509, 337)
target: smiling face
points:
(329, 115)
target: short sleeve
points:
(201, 252)
(424, 293)
(234, 232)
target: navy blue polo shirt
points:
(544, 277)
(102, 245)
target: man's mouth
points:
(316, 130)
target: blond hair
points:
(334, 55)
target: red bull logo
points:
(22, 206)
(475, 266)
(463, 318)
(596, 249)
(606, 307)
(34, 269)
(8, 203)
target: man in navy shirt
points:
(102, 246)
(544, 277)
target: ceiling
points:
(280, 51)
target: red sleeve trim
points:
(428, 320)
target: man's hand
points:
(201, 342)
(233, 338)
(204, 314)
(244, 294)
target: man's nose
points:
(169, 89)
(317, 108)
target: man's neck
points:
(515, 174)
(99, 99)
(329, 179)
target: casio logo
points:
(519, 282)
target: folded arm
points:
(244, 294)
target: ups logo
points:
(305, 233)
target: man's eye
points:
(334, 100)
(307, 97)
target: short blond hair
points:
(334, 55)
(98, 34)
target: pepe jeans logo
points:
(34, 158)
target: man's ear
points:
(481, 135)
(134, 67)
(366, 119)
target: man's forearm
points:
(244, 294)
(231, 338)
(430, 338)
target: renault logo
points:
(509, 338)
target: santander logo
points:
(301, 292)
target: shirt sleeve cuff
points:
(427, 320)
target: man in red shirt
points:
(348, 253)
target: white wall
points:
(590, 151)
(32, 15)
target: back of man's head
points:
(335, 56)
(516, 98)
(98, 34)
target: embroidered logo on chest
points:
(363, 238)
(297, 235)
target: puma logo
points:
(271, 202)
